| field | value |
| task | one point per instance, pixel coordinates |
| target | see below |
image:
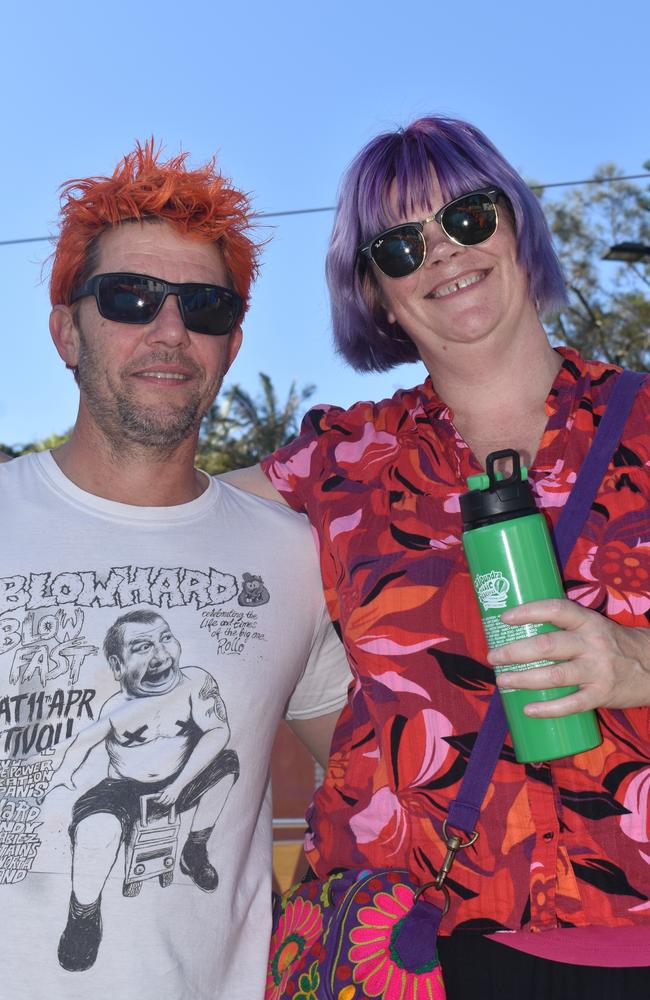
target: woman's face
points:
(460, 295)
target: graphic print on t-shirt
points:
(100, 708)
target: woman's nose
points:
(439, 247)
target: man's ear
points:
(65, 335)
(116, 667)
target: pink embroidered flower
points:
(377, 966)
(298, 928)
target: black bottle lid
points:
(494, 497)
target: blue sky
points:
(286, 94)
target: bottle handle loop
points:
(514, 476)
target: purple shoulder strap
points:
(466, 807)
(594, 467)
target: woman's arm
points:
(253, 480)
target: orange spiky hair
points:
(198, 203)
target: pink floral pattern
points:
(616, 576)
(377, 967)
(297, 929)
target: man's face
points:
(150, 660)
(151, 385)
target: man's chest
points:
(144, 720)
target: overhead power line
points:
(331, 208)
(589, 180)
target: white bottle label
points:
(492, 589)
(498, 633)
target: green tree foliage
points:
(240, 429)
(608, 316)
(53, 441)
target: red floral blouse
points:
(561, 844)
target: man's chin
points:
(161, 431)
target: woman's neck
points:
(498, 398)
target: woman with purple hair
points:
(441, 254)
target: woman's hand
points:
(610, 663)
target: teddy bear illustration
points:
(253, 592)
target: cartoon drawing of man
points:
(166, 734)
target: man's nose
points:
(168, 327)
(158, 652)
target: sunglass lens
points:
(209, 310)
(470, 220)
(399, 252)
(129, 298)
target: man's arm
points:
(322, 689)
(78, 751)
(316, 734)
(209, 714)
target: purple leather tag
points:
(415, 938)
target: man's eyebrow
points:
(138, 638)
(148, 636)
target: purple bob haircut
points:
(463, 160)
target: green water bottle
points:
(511, 560)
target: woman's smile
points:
(458, 284)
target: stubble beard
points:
(125, 421)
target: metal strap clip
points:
(454, 844)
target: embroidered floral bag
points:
(371, 932)
(340, 940)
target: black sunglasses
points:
(138, 298)
(467, 220)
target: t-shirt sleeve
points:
(323, 685)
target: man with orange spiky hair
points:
(135, 808)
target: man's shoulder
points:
(260, 512)
(22, 476)
(13, 467)
(196, 678)
(115, 702)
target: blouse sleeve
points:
(297, 468)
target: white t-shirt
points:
(233, 620)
